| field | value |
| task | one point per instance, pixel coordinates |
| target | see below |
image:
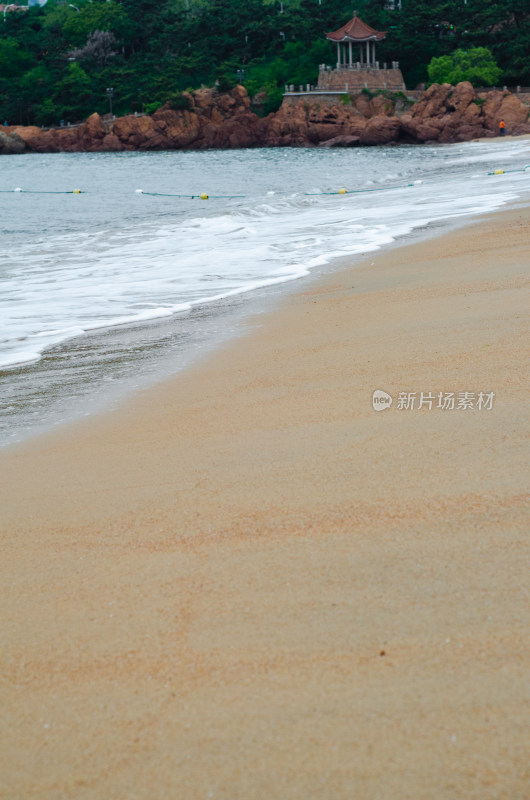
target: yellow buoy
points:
(204, 197)
(76, 191)
(499, 172)
(343, 191)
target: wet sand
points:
(247, 584)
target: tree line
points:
(57, 61)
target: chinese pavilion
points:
(350, 76)
(356, 32)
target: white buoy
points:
(139, 191)
(18, 189)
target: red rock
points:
(29, 134)
(304, 123)
(506, 106)
(381, 130)
(241, 96)
(374, 106)
(111, 144)
(418, 129)
(432, 102)
(460, 97)
(91, 131)
(178, 128)
(445, 113)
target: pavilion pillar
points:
(358, 33)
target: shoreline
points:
(240, 311)
(444, 113)
(246, 583)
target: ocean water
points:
(113, 286)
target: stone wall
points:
(358, 79)
(322, 98)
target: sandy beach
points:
(247, 584)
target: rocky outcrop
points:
(457, 113)
(444, 114)
(381, 130)
(10, 143)
(306, 123)
(212, 120)
(506, 106)
(91, 136)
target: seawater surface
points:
(107, 285)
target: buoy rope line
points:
(360, 191)
(204, 196)
(34, 191)
(505, 171)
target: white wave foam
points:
(55, 287)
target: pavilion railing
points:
(357, 66)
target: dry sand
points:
(246, 584)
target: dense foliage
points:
(475, 65)
(57, 61)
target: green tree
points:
(166, 46)
(106, 16)
(476, 65)
(74, 94)
(13, 60)
(46, 113)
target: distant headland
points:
(211, 119)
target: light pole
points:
(11, 5)
(241, 75)
(110, 92)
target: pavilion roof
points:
(356, 31)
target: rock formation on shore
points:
(213, 120)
